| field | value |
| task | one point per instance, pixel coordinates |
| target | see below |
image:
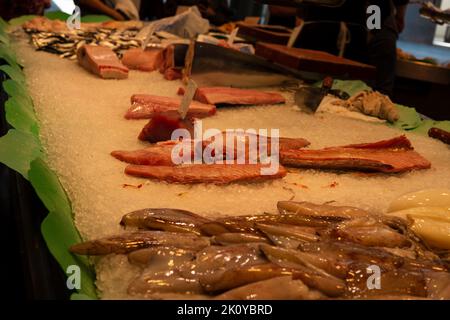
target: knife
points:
(187, 98)
(308, 98)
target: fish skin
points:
(280, 288)
(229, 238)
(165, 219)
(321, 210)
(144, 257)
(368, 231)
(131, 241)
(216, 258)
(393, 282)
(310, 274)
(387, 156)
(236, 277)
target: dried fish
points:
(392, 282)
(131, 241)
(288, 236)
(238, 238)
(150, 283)
(164, 219)
(368, 232)
(310, 273)
(281, 288)
(215, 258)
(170, 255)
(321, 210)
(66, 43)
(222, 280)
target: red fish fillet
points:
(226, 95)
(101, 61)
(204, 173)
(156, 155)
(160, 153)
(144, 60)
(390, 156)
(173, 74)
(144, 106)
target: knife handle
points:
(327, 83)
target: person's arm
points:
(281, 11)
(400, 6)
(100, 7)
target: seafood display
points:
(101, 61)
(143, 60)
(54, 37)
(236, 96)
(388, 156)
(43, 24)
(229, 171)
(306, 251)
(161, 153)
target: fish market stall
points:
(89, 131)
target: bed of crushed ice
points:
(81, 121)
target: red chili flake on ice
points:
(125, 185)
(300, 185)
(334, 184)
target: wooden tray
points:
(256, 32)
(314, 61)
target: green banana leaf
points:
(7, 55)
(57, 228)
(4, 37)
(18, 149)
(14, 72)
(21, 20)
(428, 124)
(409, 118)
(95, 18)
(3, 24)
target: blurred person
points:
(382, 44)
(282, 16)
(117, 9)
(12, 8)
(216, 11)
(323, 31)
(152, 9)
(338, 30)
